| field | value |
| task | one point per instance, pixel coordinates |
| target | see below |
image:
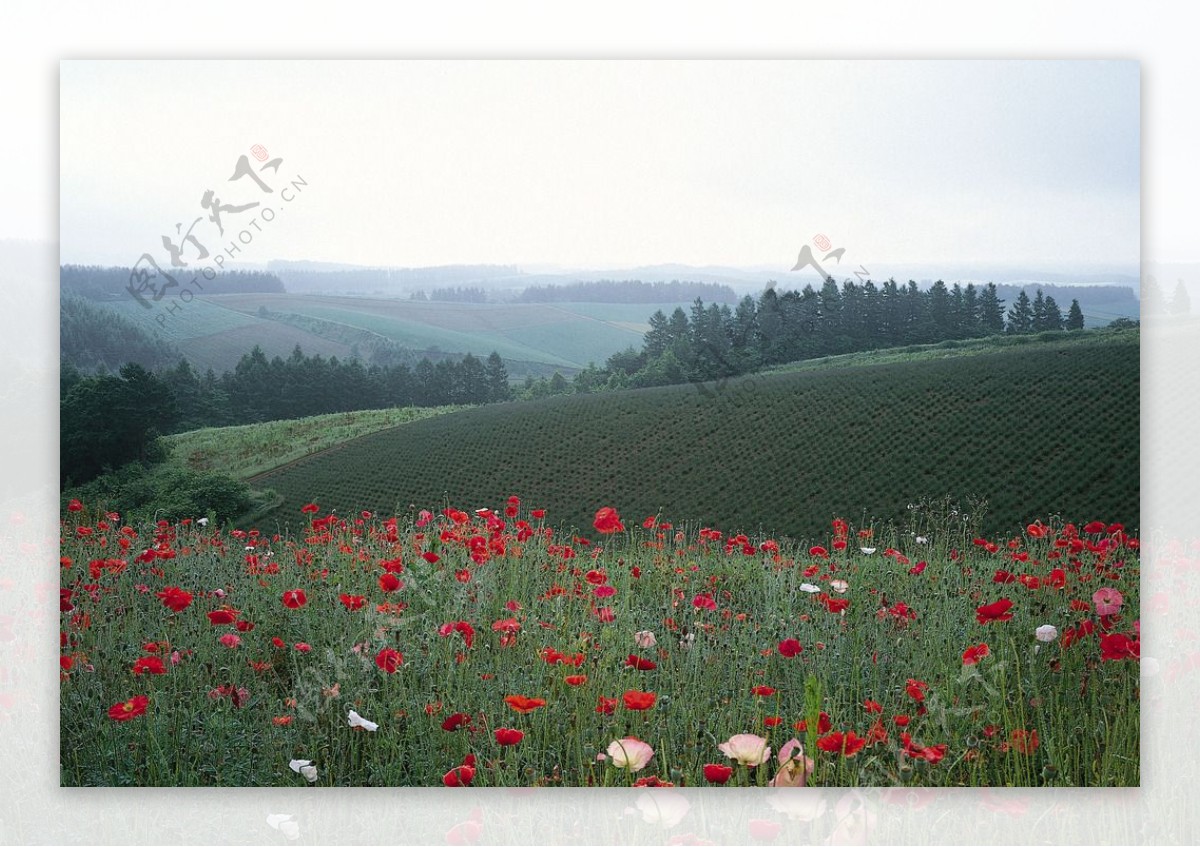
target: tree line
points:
(100, 283)
(109, 420)
(714, 341)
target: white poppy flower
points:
(355, 719)
(840, 586)
(867, 550)
(305, 768)
(202, 521)
(1046, 633)
(810, 588)
(921, 539)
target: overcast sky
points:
(607, 163)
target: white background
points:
(35, 36)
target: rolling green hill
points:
(533, 338)
(569, 335)
(1046, 426)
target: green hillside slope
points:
(1047, 427)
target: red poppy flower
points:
(388, 659)
(877, 734)
(718, 774)
(431, 557)
(916, 689)
(640, 663)
(130, 709)
(596, 577)
(901, 720)
(75, 506)
(918, 568)
(149, 664)
(836, 605)
(578, 679)
(175, 598)
(508, 737)
(456, 721)
(1025, 741)
(310, 508)
(836, 742)
(222, 616)
(933, 754)
(607, 521)
(462, 575)
(537, 514)
(278, 642)
(607, 705)
(789, 648)
(704, 601)
(973, 654)
(390, 582)
(639, 701)
(523, 705)
(824, 724)
(762, 691)
(295, 598)
(353, 602)
(998, 611)
(1116, 646)
(873, 707)
(1095, 528)
(461, 776)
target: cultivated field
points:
(1048, 427)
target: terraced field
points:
(1036, 429)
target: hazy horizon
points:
(609, 163)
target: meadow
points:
(489, 649)
(244, 452)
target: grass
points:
(244, 452)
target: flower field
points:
(484, 648)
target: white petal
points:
(290, 829)
(309, 773)
(355, 719)
(296, 764)
(811, 589)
